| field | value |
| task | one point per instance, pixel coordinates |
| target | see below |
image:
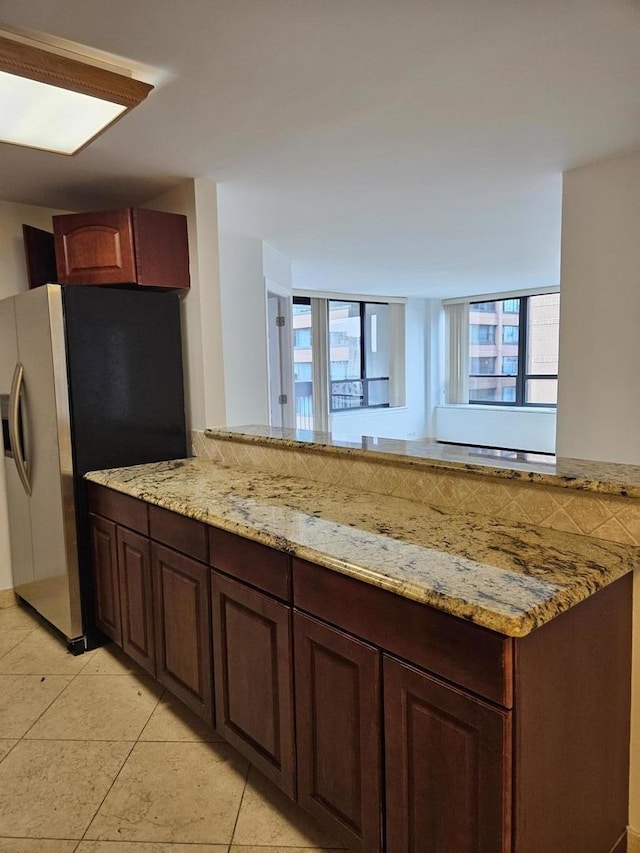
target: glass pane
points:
(543, 334)
(510, 365)
(542, 391)
(482, 365)
(376, 341)
(303, 366)
(510, 335)
(344, 341)
(378, 392)
(346, 395)
(482, 333)
(484, 307)
(492, 389)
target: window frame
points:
(521, 377)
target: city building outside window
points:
(518, 337)
(482, 333)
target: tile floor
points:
(95, 758)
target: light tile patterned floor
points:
(95, 759)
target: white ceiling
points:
(412, 147)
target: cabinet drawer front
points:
(94, 248)
(134, 566)
(258, 565)
(177, 531)
(183, 628)
(252, 650)
(465, 654)
(448, 767)
(338, 724)
(104, 564)
(125, 510)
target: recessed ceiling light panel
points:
(58, 104)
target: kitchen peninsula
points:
(411, 673)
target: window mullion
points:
(522, 352)
(362, 342)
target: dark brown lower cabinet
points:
(104, 561)
(136, 598)
(183, 628)
(416, 732)
(253, 672)
(338, 723)
(448, 767)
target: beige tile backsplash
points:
(609, 517)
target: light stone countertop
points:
(609, 478)
(510, 578)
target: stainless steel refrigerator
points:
(89, 378)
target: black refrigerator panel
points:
(124, 354)
(124, 361)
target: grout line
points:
(55, 698)
(235, 825)
(17, 741)
(117, 776)
(19, 643)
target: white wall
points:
(244, 332)
(201, 307)
(413, 419)
(276, 266)
(13, 279)
(599, 391)
(492, 426)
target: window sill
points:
(360, 412)
(545, 410)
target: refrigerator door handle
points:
(15, 436)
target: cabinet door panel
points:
(253, 677)
(134, 564)
(448, 767)
(183, 630)
(104, 562)
(94, 248)
(338, 715)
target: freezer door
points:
(53, 588)
(11, 488)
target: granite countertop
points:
(605, 477)
(510, 578)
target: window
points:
(510, 334)
(302, 337)
(510, 365)
(480, 333)
(484, 307)
(527, 352)
(483, 366)
(302, 362)
(358, 355)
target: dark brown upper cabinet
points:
(40, 256)
(132, 246)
